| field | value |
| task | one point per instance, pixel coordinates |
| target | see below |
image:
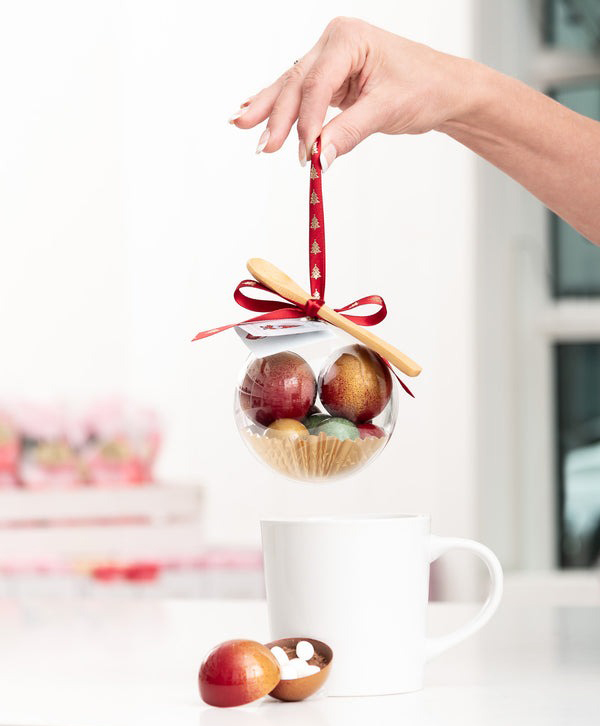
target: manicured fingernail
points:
(247, 102)
(327, 157)
(302, 153)
(235, 116)
(263, 141)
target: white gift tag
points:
(273, 336)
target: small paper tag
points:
(273, 336)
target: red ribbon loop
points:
(372, 319)
(283, 308)
(252, 303)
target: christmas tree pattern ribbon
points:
(283, 308)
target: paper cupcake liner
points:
(315, 457)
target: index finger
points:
(326, 75)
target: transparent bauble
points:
(316, 413)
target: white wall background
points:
(128, 207)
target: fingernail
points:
(302, 153)
(263, 141)
(235, 116)
(247, 102)
(327, 157)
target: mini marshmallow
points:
(300, 667)
(288, 672)
(312, 669)
(305, 650)
(280, 655)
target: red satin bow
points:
(283, 308)
(275, 310)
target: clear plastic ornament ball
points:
(316, 413)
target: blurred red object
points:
(105, 573)
(10, 449)
(142, 572)
(123, 444)
(50, 440)
(133, 572)
(114, 463)
(112, 443)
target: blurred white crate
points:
(158, 502)
(91, 542)
(151, 521)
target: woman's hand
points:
(385, 83)
(382, 82)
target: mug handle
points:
(437, 547)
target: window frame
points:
(519, 321)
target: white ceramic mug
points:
(360, 584)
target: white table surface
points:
(129, 663)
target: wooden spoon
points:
(279, 282)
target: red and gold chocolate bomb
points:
(278, 386)
(357, 385)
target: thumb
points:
(347, 130)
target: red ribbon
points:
(274, 309)
(316, 228)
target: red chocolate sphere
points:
(357, 385)
(278, 386)
(368, 429)
(237, 672)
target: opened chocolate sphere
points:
(316, 432)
